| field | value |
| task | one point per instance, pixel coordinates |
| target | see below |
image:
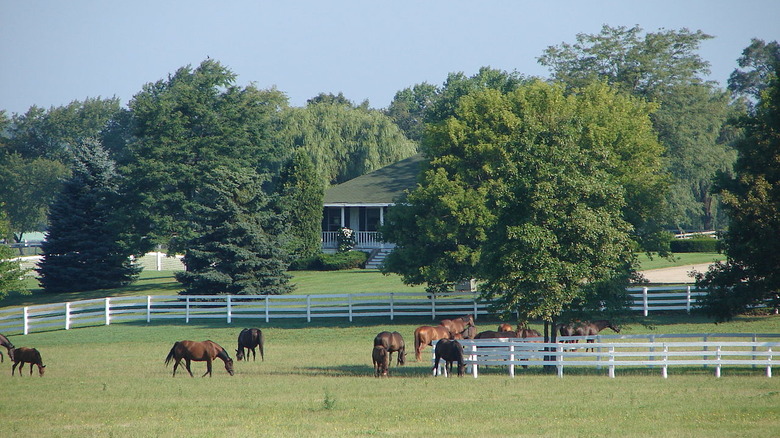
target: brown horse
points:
(425, 335)
(249, 339)
(199, 352)
(4, 342)
(24, 355)
(458, 325)
(393, 342)
(469, 333)
(450, 351)
(525, 332)
(381, 359)
(504, 327)
(490, 334)
(593, 328)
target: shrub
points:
(698, 244)
(331, 262)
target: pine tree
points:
(238, 248)
(11, 271)
(82, 249)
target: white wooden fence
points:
(267, 307)
(749, 349)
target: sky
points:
(53, 52)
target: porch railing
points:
(363, 239)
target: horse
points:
(458, 325)
(249, 339)
(199, 352)
(490, 334)
(504, 327)
(4, 342)
(567, 330)
(381, 359)
(469, 333)
(450, 351)
(393, 342)
(524, 332)
(23, 355)
(593, 328)
(426, 334)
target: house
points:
(361, 204)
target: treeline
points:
(232, 176)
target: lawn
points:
(316, 380)
(679, 259)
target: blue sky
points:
(53, 52)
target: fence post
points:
(665, 366)
(769, 359)
(349, 305)
(474, 365)
(108, 311)
(717, 367)
(612, 362)
(25, 320)
(67, 315)
(559, 358)
(392, 305)
(433, 306)
(187, 311)
(512, 360)
(229, 309)
(688, 301)
(476, 313)
(148, 308)
(644, 300)
(267, 309)
(159, 260)
(308, 308)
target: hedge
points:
(698, 244)
(331, 262)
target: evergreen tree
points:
(238, 243)
(11, 271)
(302, 191)
(81, 251)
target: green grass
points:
(679, 259)
(317, 381)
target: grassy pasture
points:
(317, 380)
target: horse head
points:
(613, 327)
(240, 354)
(229, 366)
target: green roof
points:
(382, 186)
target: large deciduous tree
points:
(185, 126)
(757, 65)
(82, 250)
(662, 67)
(751, 274)
(533, 191)
(238, 243)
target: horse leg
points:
(208, 367)
(435, 367)
(187, 362)
(14, 369)
(254, 355)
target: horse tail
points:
(172, 353)
(417, 342)
(260, 342)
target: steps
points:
(377, 258)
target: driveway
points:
(675, 275)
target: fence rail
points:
(631, 352)
(267, 307)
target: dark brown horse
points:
(381, 359)
(525, 332)
(250, 338)
(425, 335)
(490, 334)
(593, 328)
(4, 342)
(458, 325)
(450, 351)
(24, 355)
(469, 333)
(199, 352)
(393, 342)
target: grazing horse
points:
(24, 355)
(593, 328)
(4, 342)
(458, 325)
(393, 342)
(381, 359)
(249, 339)
(425, 335)
(450, 351)
(199, 352)
(469, 333)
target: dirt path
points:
(678, 274)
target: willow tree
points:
(532, 191)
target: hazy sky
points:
(56, 51)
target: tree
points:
(238, 246)
(751, 274)
(82, 249)
(664, 68)
(185, 126)
(11, 272)
(27, 187)
(529, 190)
(302, 193)
(408, 107)
(343, 142)
(758, 61)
